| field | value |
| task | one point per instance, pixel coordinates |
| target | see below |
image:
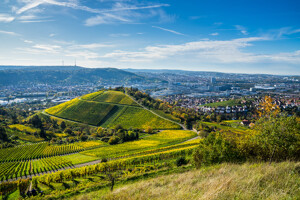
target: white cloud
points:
(91, 46)
(36, 21)
(168, 30)
(209, 51)
(83, 54)
(242, 29)
(47, 48)
(28, 41)
(124, 7)
(214, 34)
(6, 18)
(27, 17)
(120, 12)
(9, 33)
(119, 35)
(105, 19)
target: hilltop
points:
(109, 108)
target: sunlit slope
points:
(107, 109)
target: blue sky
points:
(242, 36)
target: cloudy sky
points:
(243, 36)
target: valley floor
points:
(224, 181)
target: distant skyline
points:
(238, 36)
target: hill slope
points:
(107, 109)
(67, 75)
(226, 181)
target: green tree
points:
(3, 135)
(63, 125)
(113, 140)
(36, 121)
(276, 138)
(149, 130)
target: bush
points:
(149, 130)
(84, 138)
(113, 140)
(273, 139)
(181, 161)
(217, 148)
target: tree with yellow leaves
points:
(267, 108)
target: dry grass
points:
(226, 181)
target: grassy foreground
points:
(225, 181)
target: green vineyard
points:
(34, 159)
(42, 150)
(162, 139)
(109, 108)
(10, 170)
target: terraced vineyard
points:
(159, 140)
(109, 108)
(35, 159)
(10, 170)
(42, 150)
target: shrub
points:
(113, 140)
(149, 130)
(275, 138)
(181, 161)
(84, 137)
(217, 148)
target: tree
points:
(113, 140)
(3, 135)
(267, 108)
(36, 121)
(118, 127)
(43, 133)
(181, 161)
(68, 131)
(63, 125)
(100, 132)
(276, 138)
(84, 137)
(149, 130)
(219, 119)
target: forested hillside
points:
(62, 75)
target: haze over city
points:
(236, 36)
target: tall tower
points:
(212, 80)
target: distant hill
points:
(187, 72)
(109, 108)
(40, 68)
(65, 75)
